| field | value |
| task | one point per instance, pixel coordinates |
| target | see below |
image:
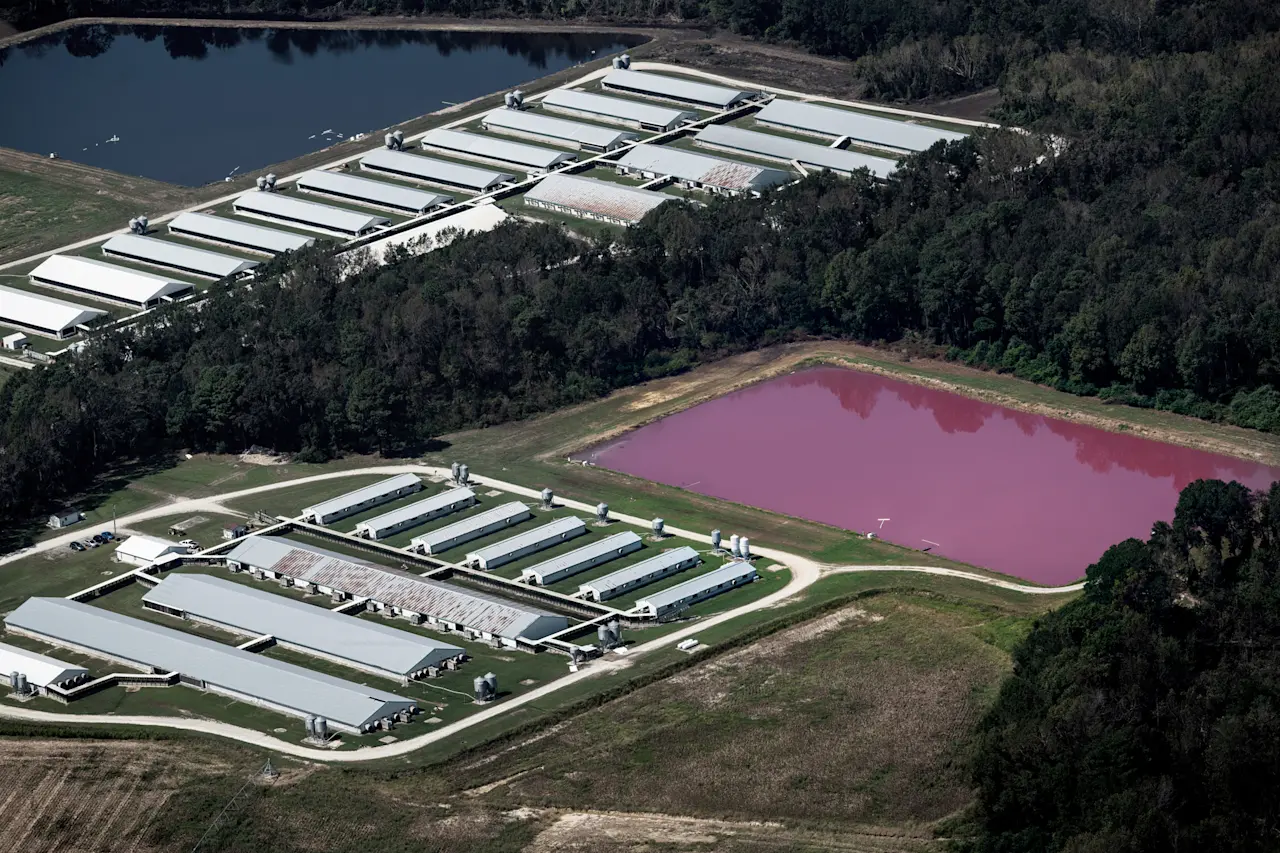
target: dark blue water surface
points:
(192, 105)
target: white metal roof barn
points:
(408, 593)
(860, 127)
(592, 199)
(275, 207)
(699, 170)
(203, 663)
(673, 599)
(108, 282)
(616, 110)
(254, 612)
(44, 315)
(418, 512)
(363, 498)
(474, 146)
(472, 527)
(176, 256)
(640, 574)
(580, 559)
(557, 131)
(675, 89)
(40, 670)
(426, 237)
(431, 170)
(395, 197)
(772, 147)
(529, 542)
(240, 235)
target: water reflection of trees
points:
(196, 42)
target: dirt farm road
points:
(804, 572)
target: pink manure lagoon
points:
(1017, 493)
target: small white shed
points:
(145, 550)
(65, 518)
(16, 341)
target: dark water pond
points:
(1021, 494)
(192, 105)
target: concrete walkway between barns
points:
(804, 573)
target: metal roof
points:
(308, 212)
(666, 597)
(223, 230)
(23, 308)
(602, 198)
(512, 511)
(676, 88)
(529, 538)
(300, 690)
(860, 127)
(178, 256)
(711, 171)
(429, 236)
(418, 509)
(433, 170)
(39, 669)
(781, 147)
(399, 589)
(147, 548)
(617, 108)
(526, 121)
(382, 193)
(584, 555)
(624, 576)
(257, 612)
(108, 280)
(493, 148)
(373, 491)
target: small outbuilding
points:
(65, 518)
(234, 531)
(16, 341)
(145, 550)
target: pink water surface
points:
(1021, 494)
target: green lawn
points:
(291, 501)
(56, 573)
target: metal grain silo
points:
(715, 538)
(734, 547)
(602, 511)
(658, 525)
(744, 548)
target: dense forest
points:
(1145, 716)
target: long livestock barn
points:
(675, 89)
(275, 207)
(418, 512)
(698, 171)
(374, 494)
(108, 282)
(673, 599)
(641, 574)
(580, 559)
(471, 528)
(591, 199)
(310, 629)
(401, 199)
(649, 117)
(543, 128)
(430, 170)
(205, 664)
(529, 542)
(44, 315)
(394, 592)
(473, 146)
(768, 146)
(860, 127)
(239, 235)
(40, 671)
(176, 256)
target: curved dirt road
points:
(804, 572)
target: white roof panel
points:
(711, 171)
(492, 148)
(534, 536)
(301, 691)
(373, 192)
(256, 612)
(807, 153)
(511, 512)
(602, 198)
(107, 280)
(235, 232)
(830, 121)
(528, 121)
(433, 170)
(635, 571)
(308, 212)
(417, 509)
(359, 496)
(40, 670)
(676, 88)
(617, 108)
(626, 541)
(24, 308)
(147, 548)
(665, 597)
(178, 256)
